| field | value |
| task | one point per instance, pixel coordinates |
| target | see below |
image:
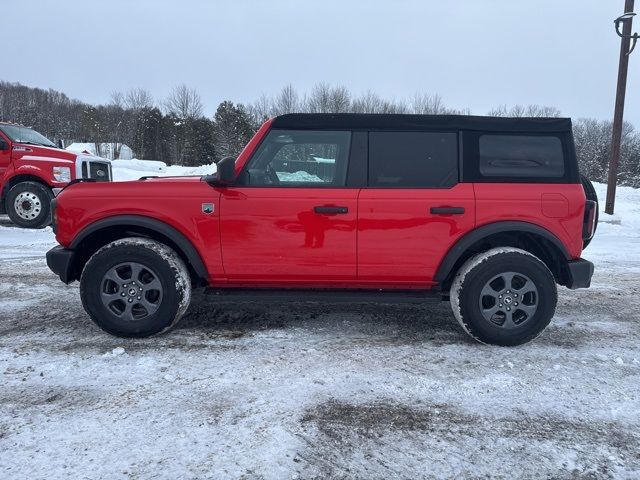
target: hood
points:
(22, 150)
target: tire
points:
(28, 205)
(472, 296)
(135, 287)
(591, 194)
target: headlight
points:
(62, 174)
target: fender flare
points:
(182, 242)
(37, 175)
(463, 244)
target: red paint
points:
(271, 236)
(400, 241)
(523, 202)
(33, 163)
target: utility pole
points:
(626, 47)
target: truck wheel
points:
(135, 287)
(28, 205)
(505, 296)
(591, 194)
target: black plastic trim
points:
(152, 224)
(358, 163)
(579, 275)
(321, 295)
(462, 245)
(60, 261)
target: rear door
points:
(291, 220)
(413, 210)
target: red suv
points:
(33, 170)
(489, 212)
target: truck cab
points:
(33, 170)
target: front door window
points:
(300, 158)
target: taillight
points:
(589, 223)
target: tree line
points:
(175, 130)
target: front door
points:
(291, 220)
(413, 210)
(5, 155)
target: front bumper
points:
(61, 261)
(579, 273)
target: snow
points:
(146, 167)
(127, 170)
(320, 391)
(104, 150)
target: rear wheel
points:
(135, 287)
(591, 194)
(504, 296)
(28, 205)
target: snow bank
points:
(617, 238)
(105, 150)
(141, 165)
(127, 170)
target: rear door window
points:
(413, 159)
(521, 156)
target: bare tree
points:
(138, 98)
(287, 101)
(184, 103)
(260, 110)
(318, 100)
(326, 99)
(522, 111)
(425, 104)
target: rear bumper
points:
(60, 261)
(579, 273)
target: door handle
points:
(326, 210)
(447, 210)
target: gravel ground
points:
(318, 391)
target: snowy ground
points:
(320, 391)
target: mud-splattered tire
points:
(135, 287)
(590, 193)
(28, 205)
(505, 296)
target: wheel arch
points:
(14, 180)
(528, 236)
(104, 231)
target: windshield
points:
(25, 135)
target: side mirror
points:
(3, 144)
(225, 174)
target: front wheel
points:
(135, 287)
(505, 296)
(28, 205)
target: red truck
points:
(489, 213)
(33, 170)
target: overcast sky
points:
(474, 53)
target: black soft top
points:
(387, 121)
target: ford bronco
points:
(489, 213)
(33, 170)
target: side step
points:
(322, 295)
